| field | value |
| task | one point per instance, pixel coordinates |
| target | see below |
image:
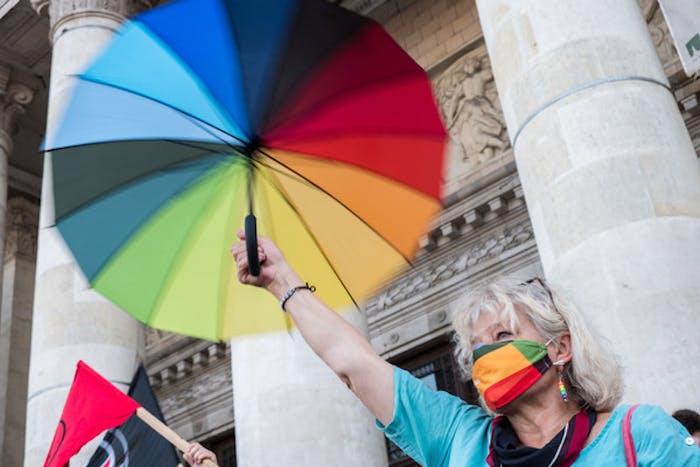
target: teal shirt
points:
(439, 429)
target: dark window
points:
(224, 447)
(436, 367)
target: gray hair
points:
(592, 377)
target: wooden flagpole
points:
(149, 419)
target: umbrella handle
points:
(251, 243)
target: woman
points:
(554, 388)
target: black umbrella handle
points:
(251, 243)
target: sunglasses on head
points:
(541, 282)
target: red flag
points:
(93, 405)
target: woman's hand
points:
(196, 454)
(276, 275)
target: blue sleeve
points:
(426, 422)
(661, 441)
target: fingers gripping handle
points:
(165, 431)
(251, 242)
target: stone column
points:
(15, 323)
(70, 321)
(291, 409)
(610, 178)
(14, 96)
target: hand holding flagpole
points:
(93, 406)
(167, 433)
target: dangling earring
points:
(560, 384)
(562, 390)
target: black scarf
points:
(561, 451)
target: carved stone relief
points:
(22, 226)
(468, 100)
(658, 29)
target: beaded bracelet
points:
(292, 291)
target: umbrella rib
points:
(178, 255)
(196, 120)
(346, 207)
(313, 156)
(131, 180)
(138, 227)
(187, 143)
(270, 219)
(236, 44)
(359, 132)
(348, 94)
(285, 196)
(221, 299)
(291, 176)
(195, 145)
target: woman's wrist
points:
(284, 280)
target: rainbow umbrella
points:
(202, 112)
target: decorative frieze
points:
(459, 222)
(22, 228)
(417, 282)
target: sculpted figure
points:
(472, 119)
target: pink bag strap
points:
(627, 441)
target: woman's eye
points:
(503, 335)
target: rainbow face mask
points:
(505, 370)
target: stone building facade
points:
(485, 230)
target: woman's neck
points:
(537, 421)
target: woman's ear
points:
(562, 349)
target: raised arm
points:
(344, 349)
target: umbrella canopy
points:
(201, 111)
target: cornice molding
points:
(186, 362)
(416, 283)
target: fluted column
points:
(610, 177)
(290, 409)
(14, 96)
(17, 299)
(70, 322)
(14, 326)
